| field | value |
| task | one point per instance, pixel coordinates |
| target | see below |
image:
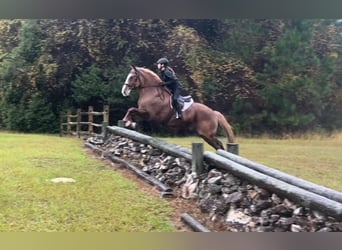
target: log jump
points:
(301, 191)
(208, 165)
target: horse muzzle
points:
(125, 91)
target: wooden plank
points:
(97, 113)
(72, 116)
(320, 190)
(172, 149)
(303, 197)
(148, 178)
(96, 125)
(194, 224)
(299, 195)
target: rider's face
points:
(160, 66)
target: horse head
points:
(133, 81)
(140, 78)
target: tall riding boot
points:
(178, 110)
(179, 113)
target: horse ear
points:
(133, 67)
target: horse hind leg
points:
(213, 141)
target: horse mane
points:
(150, 72)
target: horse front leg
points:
(133, 115)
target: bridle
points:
(138, 75)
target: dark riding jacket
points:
(174, 85)
(171, 81)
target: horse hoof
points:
(127, 124)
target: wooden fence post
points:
(78, 125)
(90, 120)
(61, 121)
(233, 148)
(105, 122)
(197, 158)
(121, 124)
(69, 122)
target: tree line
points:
(265, 75)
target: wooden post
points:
(233, 148)
(61, 127)
(197, 158)
(78, 126)
(69, 122)
(105, 122)
(106, 113)
(90, 120)
(121, 124)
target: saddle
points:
(184, 102)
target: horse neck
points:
(150, 87)
(153, 91)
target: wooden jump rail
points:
(74, 122)
(305, 197)
(320, 190)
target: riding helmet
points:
(163, 60)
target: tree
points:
(265, 74)
(295, 81)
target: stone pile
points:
(228, 202)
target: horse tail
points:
(226, 126)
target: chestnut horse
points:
(154, 105)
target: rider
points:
(171, 82)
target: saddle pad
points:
(187, 104)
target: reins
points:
(161, 94)
(152, 86)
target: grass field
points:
(101, 200)
(313, 158)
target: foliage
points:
(265, 74)
(295, 82)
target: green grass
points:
(313, 158)
(101, 200)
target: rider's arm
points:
(169, 77)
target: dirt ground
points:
(179, 204)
